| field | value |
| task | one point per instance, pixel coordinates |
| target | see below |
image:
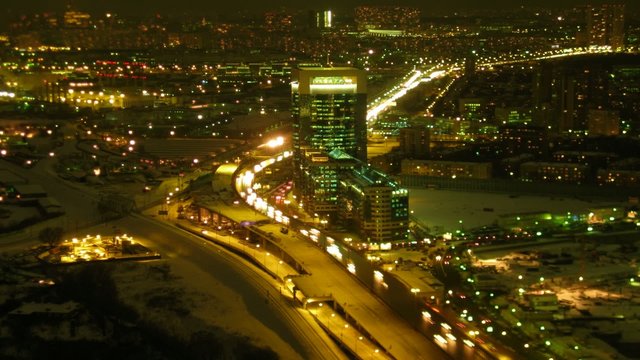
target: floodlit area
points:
(97, 248)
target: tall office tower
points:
(605, 25)
(329, 107)
(324, 19)
(329, 110)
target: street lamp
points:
(346, 326)
(358, 340)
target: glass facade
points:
(331, 175)
(319, 182)
(375, 204)
(329, 108)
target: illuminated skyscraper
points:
(605, 25)
(329, 107)
(331, 177)
(324, 19)
(329, 113)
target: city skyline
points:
(392, 182)
(207, 8)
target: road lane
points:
(191, 255)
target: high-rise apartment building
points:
(568, 91)
(518, 139)
(605, 25)
(415, 141)
(275, 21)
(603, 122)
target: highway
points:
(330, 276)
(416, 76)
(200, 263)
(403, 342)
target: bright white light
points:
(334, 251)
(468, 342)
(378, 275)
(352, 268)
(279, 141)
(440, 339)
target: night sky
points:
(219, 7)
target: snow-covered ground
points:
(182, 308)
(441, 210)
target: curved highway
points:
(187, 254)
(184, 249)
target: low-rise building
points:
(486, 282)
(589, 158)
(554, 172)
(447, 169)
(542, 300)
(29, 191)
(616, 177)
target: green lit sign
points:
(332, 80)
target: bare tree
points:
(51, 235)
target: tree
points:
(51, 235)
